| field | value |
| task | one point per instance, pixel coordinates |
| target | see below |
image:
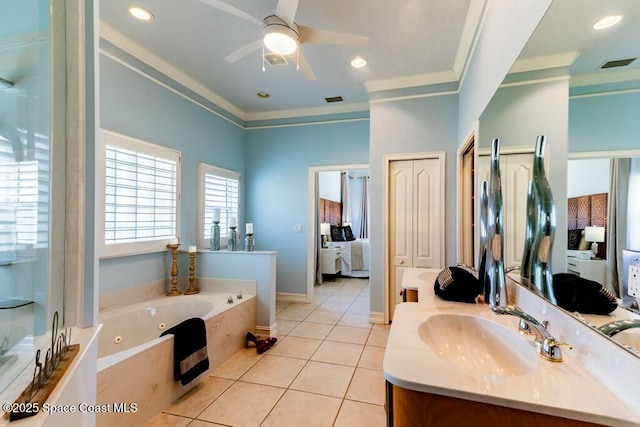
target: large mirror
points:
(581, 88)
(31, 195)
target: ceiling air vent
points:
(334, 99)
(618, 63)
(274, 59)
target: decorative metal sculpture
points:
(541, 276)
(525, 266)
(482, 255)
(495, 233)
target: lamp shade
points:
(325, 228)
(594, 234)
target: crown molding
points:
(415, 80)
(118, 39)
(307, 112)
(605, 77)
(564, 59)
(468, 36)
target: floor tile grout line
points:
(307, 360)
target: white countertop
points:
(564, 389)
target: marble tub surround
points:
(126, 297)
(570, 389)
(258, 266)
(145, 377)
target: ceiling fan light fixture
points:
(607, 21)
(278, 37)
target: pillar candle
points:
(216, 214)
(249, 228)
(192, 249)
(233, 222)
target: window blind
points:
(140, 196)
(220, 189)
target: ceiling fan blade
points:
(286, 10)
(305, 68)
(314, 35)
(244, 51)
(231, 10)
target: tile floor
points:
(325, 370)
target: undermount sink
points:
(478, 344)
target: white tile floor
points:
(325, 370)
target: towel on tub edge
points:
(190, 357)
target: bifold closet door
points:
(414, 222)
(515, 172)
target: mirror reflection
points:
(572, 84)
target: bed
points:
(354, 256)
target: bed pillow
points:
(457, 284)
(575, 293)
(336, 234)
(574, 237)
(348, 234)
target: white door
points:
(515, 172)
(415, 230)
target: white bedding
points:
(354, 254)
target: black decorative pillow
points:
(336, 234)
(573, 239)
(348, 234)
(457, 284)
(575, 293)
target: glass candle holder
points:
(215, 236)
(249, 242)
(233, 239)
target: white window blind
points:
(24, 197)
(219, 188)
(141, 195)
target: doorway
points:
(313, 224)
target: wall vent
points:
(334, 99)
(618, 63)
(274, 59)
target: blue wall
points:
(277, 167)
(601, 123)
(134, 105)
(410, 126)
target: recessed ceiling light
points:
(140, 13)
(607, 21)
(358, 62)
(263, 95)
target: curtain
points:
(616, 229)
(364, 214)
(317, 240)
(344, 195)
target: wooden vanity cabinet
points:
(407, 408)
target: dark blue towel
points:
(190, 357)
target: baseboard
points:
(376, 317)
(267, 331)
(287, 297)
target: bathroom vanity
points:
(449, 363)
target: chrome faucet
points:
(549, 346)
(612, 328)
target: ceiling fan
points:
(281, 34)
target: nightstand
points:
(330, 262)
(592, 269)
